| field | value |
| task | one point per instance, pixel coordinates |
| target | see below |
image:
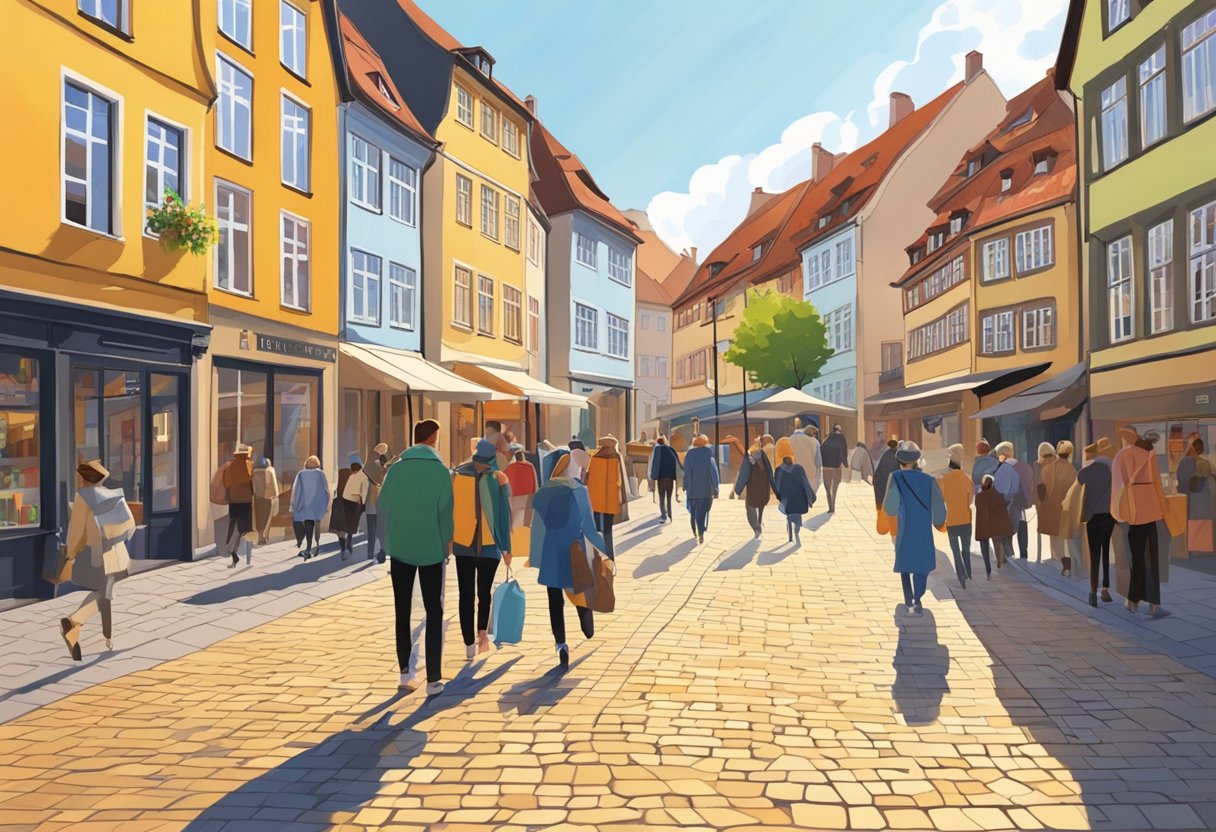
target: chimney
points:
(759, 200)
(901, 107)
(692, 254)
(530, 103)
(975, 65)
(822, 162)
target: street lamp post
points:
(717, 422)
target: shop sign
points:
(296, 349)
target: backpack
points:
(115, 522)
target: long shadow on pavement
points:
(818, 522)
(921, 667)
(741, 557)
(657, 564)
(544, 691)
(341, 774)
(303, 572)
(775, 556)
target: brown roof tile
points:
(564, 184)
(366, 71)
(649, 290)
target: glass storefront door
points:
(20, 442)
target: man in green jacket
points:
(416, 501)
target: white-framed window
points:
(234, 110)
(661, 366)
(620, 266)
(165, 147)
(489, 212)
(813, 279)
(1117, 13)
(757, 251)
(586, 327)
(402, 191)
(618, 336)
(1007, 181)
(1161, 277)
(956, 326)
(1120, 286)
(956, 225)
(1004, 332)
(296, 119)
(1152, 98)
(1199, 67)
(236, 21)
(293, 38)
(295, 283)
(643, 366)
(464, 200)
(1038, 328)
(510, 222)
(533, 325)
(233, 247)
(485, 305)
(90, 124)
(512, 314)
(585, 250)
(365, 272)
(825, 265)
(534, 242)
(489, 122)
(661, 322)
(464, 106)
(1035, 249)
(996, 260)
(364, 173)
(510, 137)
(1114, 124)
(402, 292)
(1203, 263)
(839, 323)
(113, 13)
(462, 298)
(644, 319)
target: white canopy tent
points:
(785, 404)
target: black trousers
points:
(304, 530)
(603, 523)
(557, 617)
(431, 580)
(1023, 540)
(1098, 531)
(665, 489)
(470, 571)
(1145, 580)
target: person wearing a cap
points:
(958, 494)
(482, 517)
(916, 500)
(701, 483)
(416, 505)
(101, 524)
(1095, 478)
(983, 465)
(834, 452)
(1139, 501)
(375, 470)
(237, 477)
(1196, 479)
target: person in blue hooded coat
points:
(796, 494)
(701, 483)
(562, 516)
(916, 500)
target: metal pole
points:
(747, 441)
(714, 353)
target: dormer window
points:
(480, 59)
(973, 167)
(916, 255)
(824, 220)
(1006, 180)
(1044, 161)
(1024, 118)
(382, 86)
(956, 223)
(716, 268)
(757, 250)
(936, 240)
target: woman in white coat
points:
(98, 532)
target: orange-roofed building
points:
(854, 225)
(991, 294)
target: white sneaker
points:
(408, 682)
(434, 689)
(470, 650)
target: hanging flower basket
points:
(181, 226)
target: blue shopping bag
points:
(508, 607)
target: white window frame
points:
(1153, 83)
(96, 10)
(618, 332)
(643, 319)
(585, 246)
(995, 256)
(465, 219)
(1039, 328)
(1121, 251)
(362, 314)
(463, 317)
(461, 95)
(535, 237)
(1201, 264)
(1199, 40)
(512, 215)
(1118, 12)
(290, 249)
(232, 229)
(1159, 241)
(298, 157)
(489, 116)
(299, 40)
(1006, 332)
(234, 36)
(370, 171)
(224, 113)
(489, 212)
(512, 314)
(661, 366)
(402, 296)
(403, 191)
(511, 129)
(1115, 144)
(620, 266)
(485, 311)
(589, 324)
(533, 325)
(158, 168)
(113, 142)
(1035, 249)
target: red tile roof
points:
(676, 282)
(1038, 120)
(650, 290)
(365, 68)
(564, 184)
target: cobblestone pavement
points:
(740, 685)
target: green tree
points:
(781, 342)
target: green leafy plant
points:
(182, 226)
(780, 342)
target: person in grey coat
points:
(309, 502)
(701, 482)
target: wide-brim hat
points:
(608, 441)
(1097, 449)
(908, 453)
(242, 449)
(1129, 434)
(94, 465)
(485, 452)
(382, 448)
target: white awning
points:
(519, 385)
(394, 367)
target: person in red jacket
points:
(522, 477)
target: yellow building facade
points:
(271, 150)
(100, 325)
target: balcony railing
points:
(893, 374)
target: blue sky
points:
(682, 107)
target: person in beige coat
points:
(1138, 500)
(1056, 477)
(265, 499)
(100, 526)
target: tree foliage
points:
(781, 342)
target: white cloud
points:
(1019, 39)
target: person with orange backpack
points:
(482, 519)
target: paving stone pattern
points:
(740, 685)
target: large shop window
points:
(108, 425)
(20, 451)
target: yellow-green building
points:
(1144, 76)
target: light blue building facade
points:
(829, 282)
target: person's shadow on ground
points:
(921, 666)
(741, 557)
(341, 774)
(656, 564)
